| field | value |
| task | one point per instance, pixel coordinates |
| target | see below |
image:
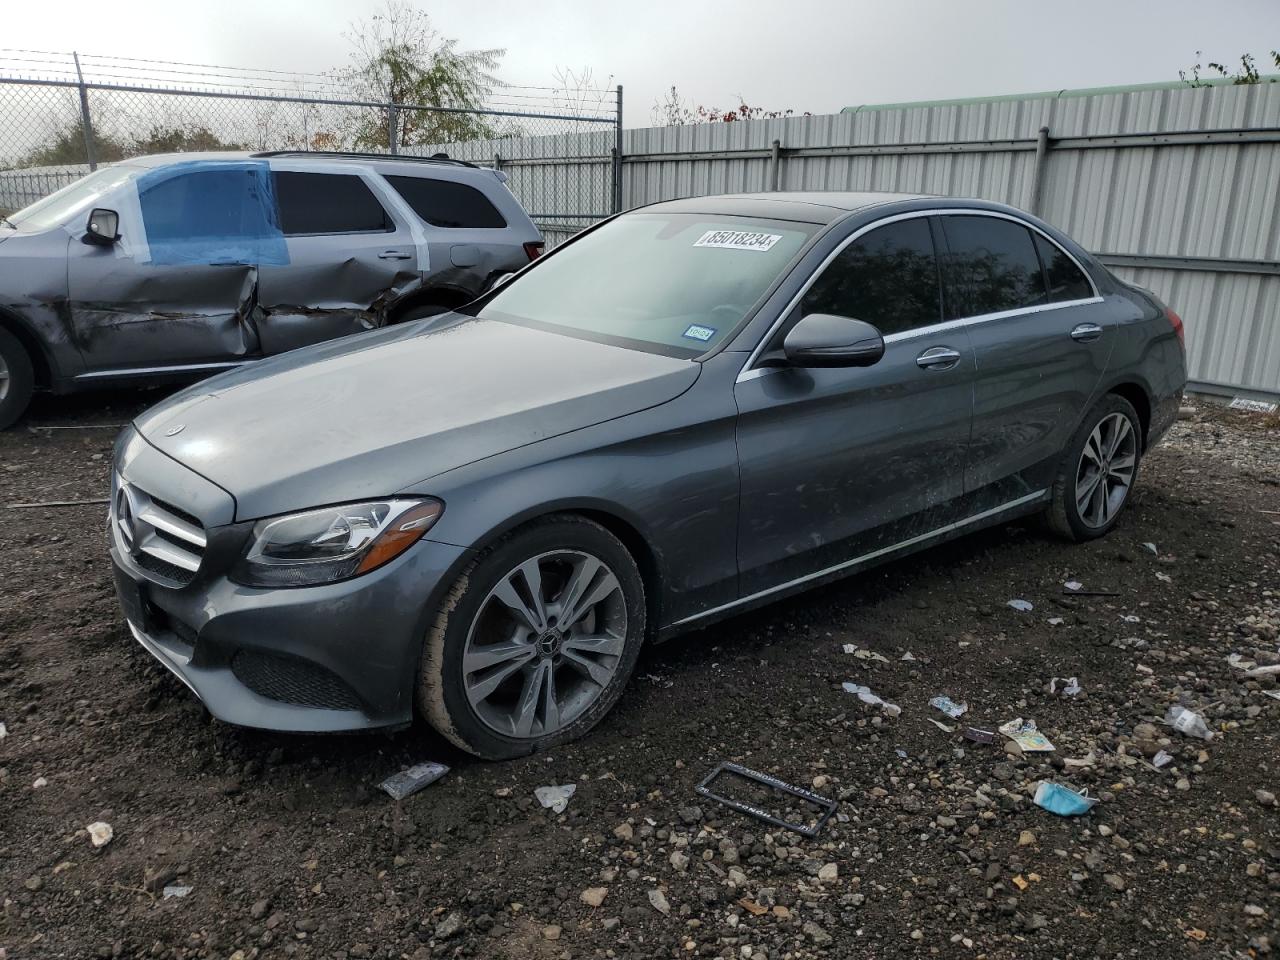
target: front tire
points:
(1098, 471)
(535, 641)
(17, 379)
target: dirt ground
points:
(287, 848)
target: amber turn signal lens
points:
(402, 533)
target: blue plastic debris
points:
(1061, 800)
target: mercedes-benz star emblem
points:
(125, 518)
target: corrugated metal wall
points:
(1214, 198)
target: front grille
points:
(293, 680)
(162, 539)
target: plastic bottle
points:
(1188, 722)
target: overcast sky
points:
(815, 55)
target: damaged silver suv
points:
(178, 266)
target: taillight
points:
(1177, 327)
(533, 250)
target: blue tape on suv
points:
(212, 212)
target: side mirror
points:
(825, 340)
(103, 227)
(500, 281)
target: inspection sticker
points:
(698, 332)
(738, 240)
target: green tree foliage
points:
(399, 57)
(1246, 73)
(65, 144)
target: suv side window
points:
(887, 277)
(201, 206)
(1066, 280)
(318, 203)
(445, 203)
(991, 266)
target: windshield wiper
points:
(4, 220)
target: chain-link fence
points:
(69, 114)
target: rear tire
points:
(17, 379)
(1098, 471)
(503, 676)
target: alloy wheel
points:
(545, 643)
(4, 378)
(1104, 475)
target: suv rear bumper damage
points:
(338, 657)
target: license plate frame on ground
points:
(828, 807)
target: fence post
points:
(86, 123)
(775, 150)
(393, 129)
(1037, 174)
(617, 157)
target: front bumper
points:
(330, 658)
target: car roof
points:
(818, 206)
(406, 164)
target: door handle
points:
(1086, 332)
(938, 358)
(394, 255)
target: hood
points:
(369, 415)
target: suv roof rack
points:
(356, 155)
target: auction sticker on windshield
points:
(738, 240)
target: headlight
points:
(333, 543)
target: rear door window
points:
(445, 203)
(1066, 280)
(888, 277)
(990, 266)
(320, 203)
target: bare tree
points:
(577, 95)
(672, 110)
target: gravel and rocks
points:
(289, 849)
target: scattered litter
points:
(1164, 577)
(1152, 548)
(59, 503)
(753, 908)
(1188, 722)
(1070, 686)
(907, 656)
(100, 833)
(658, 681)
(1264, 671)
(1239, 662)
(1023, 605)
(1061, 800)
(1092, 593)
(949, 707)
(1088, 760)
(979, 736)
(1273, 694)
(1253, 406)
(850, 648)
(1196, 934)
(1074, 585)
(1130, 618)
(902, 754)
(1020, 883)
(4, 731)
(1056, 621)
(1024, 734)
(39, 784)
(866, 696)
(828, 807)
(942, 726)
(1161, 759)
(171, 892)
(870, 655)
(410, 781)
(555, 798)
(658, 900)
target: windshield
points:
(677, 282)
(79, 197)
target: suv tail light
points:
(1177, 327)
(533, 250)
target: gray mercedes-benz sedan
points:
(686, 411)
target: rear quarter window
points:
(446, 203)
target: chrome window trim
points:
(749, 373)
(948, 528)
